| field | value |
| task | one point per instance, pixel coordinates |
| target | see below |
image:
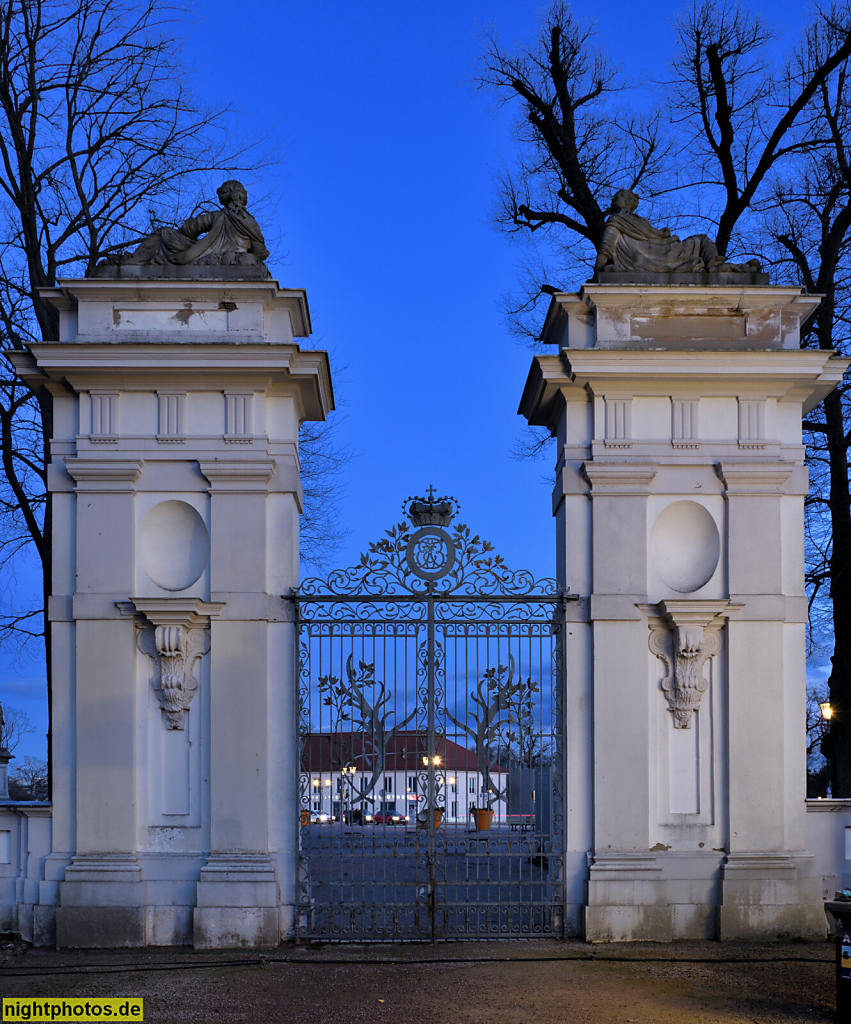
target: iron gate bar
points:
(421, 595)
(438, 880)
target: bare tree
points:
(29, 781)
(99, 141)
(818, 741)
(321, 459)
(737, 110)
(767, 168)
(777, 141)
(15, 725)
(577, 142)
(809, 224)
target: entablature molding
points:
(619, 477)
(761, 478)
(96, 474)
(188, 612)
(548, 386)
(685, 315)
(191, 365)
(803, 376)
(237, 475)
(70, 293)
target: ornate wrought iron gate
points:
(430, 712)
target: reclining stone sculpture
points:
(631, 243)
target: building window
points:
(454, 808)
(472, 785)
(412, 783)
(388, 784)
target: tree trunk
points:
(840, 590)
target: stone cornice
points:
(188, 612)
(237, 474)
(181, 364)
(754, 478)
(684, 612)
(619, 477)
(724, 296)
(803, 375)
(751, 312)
(71, 291)
(104, 471)
(544, 391)
(716, 373)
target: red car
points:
(384, 818)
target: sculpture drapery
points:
(228, 237)
(631, 243)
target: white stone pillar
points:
(176, 494)
(5, 758)
(679, 511)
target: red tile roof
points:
(331, 752)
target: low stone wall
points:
(25, 842)
(829, 841)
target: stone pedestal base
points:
(770, 896)
(653, 897)
(237, 903)
(754, 897)
(101, 903)
(626, 900)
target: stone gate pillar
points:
(174, 477)
(679, 505)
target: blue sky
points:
(382, 212)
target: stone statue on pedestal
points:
(229, 237)
(631, 243)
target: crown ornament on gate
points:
(430, 511)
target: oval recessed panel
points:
(685, 546)
(174, 546)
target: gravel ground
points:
(459, 983)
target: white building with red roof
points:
(343, 772)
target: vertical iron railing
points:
(429, 674)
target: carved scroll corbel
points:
(175, 651)
(684, 650)
(685, 639)
(174, 633)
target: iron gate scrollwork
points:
(431, 725)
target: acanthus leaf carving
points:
(175, 651)
(684, 648)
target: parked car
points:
(384, 818)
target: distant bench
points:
(520, 822)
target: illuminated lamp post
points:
(827, 715)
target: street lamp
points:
(827, 715)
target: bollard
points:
(839, 922)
